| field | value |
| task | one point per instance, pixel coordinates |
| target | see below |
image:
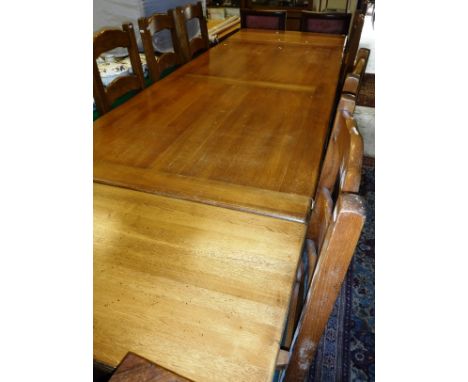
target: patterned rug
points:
(346, 351)
(366, 96)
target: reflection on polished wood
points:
(242, 126)
(200, 290)
(289, 37)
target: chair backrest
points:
(181, 16)
(341, 172)
(353, 80)
(343, 160)
(158, 62)
(340, 229)
(352, 45)
(107, 40)
(263, 19)
(325, 22)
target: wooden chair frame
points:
(199, 43)
(353, 80)
(107, 40)
(343, 159)
(341, 170)
(157, 63)
(278, 14)
(340, 230)
(330, 16)
(352, 44)
(360, 63)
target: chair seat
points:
(111, 68)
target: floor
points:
(365, 120)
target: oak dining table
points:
(202, 187)
(242, 126)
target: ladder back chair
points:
(341, 172)
(343, 159)
(105, 41)
(157, 61)
(338, 230)
(353, 80)
(325, 22)
(263, 19)
(182, 15)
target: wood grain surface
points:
(242, 126)
(200, 290)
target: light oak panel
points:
(200, 290)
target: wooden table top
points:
(242, 126)
(200, 290)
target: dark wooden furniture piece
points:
(223, 3)
(263, 19)
(157, 62)
(134, 368)
(242, 126)
(200, 290)
(293, 8)
(107, 40)
(293, 18)
(199, 43)
(353, 80)
(325, 22)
